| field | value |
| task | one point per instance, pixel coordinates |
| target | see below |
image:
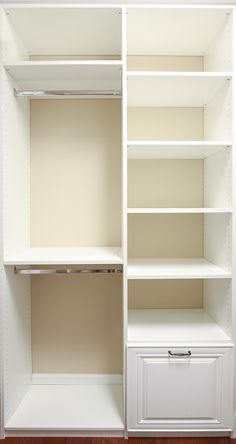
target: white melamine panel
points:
(218, 114)
(164, 89)
(218, 239)
(197, 268)
(13, 48)
(173, 150)
(69, 407)
(73, 255)
(52, 30)
(66, 75)
(17, 337)
(192, 30)
(16, 178)
(150, 124)
(2, 281)
(219, 54)
(173, 325)
(217, 300)
(193, 392)
(218, 179)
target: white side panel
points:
(16, 171)
(233, 313)
(217, 115)
(217, 302)
(219, 54)
(17, 329)
(124, 208)
(13, 46)
(1, 243)
(218, 239)
(218, 179)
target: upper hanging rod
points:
(65, 93)
(36, 271)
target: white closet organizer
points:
(117, 275)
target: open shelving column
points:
(189, 84)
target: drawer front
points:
(177, 392)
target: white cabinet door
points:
(180, 392)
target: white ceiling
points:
(207, 2)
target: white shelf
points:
(73, 255)
(149, 29)
(66, 75)
(174, 89)
(178, 210)
(196, 268)
(67, 29)
(69, 407)
(173, 325)
(153, 149)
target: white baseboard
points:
(76, 378)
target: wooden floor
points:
(119, 441)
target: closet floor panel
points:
(69, 407)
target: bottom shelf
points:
(173, 325)
(70, 407)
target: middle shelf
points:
(174, 268)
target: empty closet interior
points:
(64, 357)
(118, 210)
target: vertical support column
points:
(124, 206)
(1, 234)
(233, 435)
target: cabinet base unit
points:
(180, 389)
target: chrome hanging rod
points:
(37, 271)
(82, 93)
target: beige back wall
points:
(165, 235)
(153, 123)
(165, 63)
(75, 173)
(173, 293)
(165, 183)
(77, 324)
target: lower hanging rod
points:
(67, 93)
(37, 271)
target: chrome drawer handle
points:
(174, 355)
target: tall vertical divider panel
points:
(117, 223)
